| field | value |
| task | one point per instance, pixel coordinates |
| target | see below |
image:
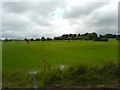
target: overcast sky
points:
(37, 19)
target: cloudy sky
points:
(49, 19)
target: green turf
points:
(18, 55)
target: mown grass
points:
(83, 60)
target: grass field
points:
(20, 56)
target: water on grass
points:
(33, 72)
(34, 78)
(61, 67)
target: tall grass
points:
(71, 76)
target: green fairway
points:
(18, 55)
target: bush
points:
(118, 38)
(101, 39)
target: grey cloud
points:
(16, 7)
(33, 20)
(15, 22)
(101, 20)
(104, 20)
(27, 19)
(42, 8)
(81, 9)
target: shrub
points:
(118, 37)
(101, 39)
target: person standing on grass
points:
(26, 40)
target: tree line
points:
(86, 36)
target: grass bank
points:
(78, 75)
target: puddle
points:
(33, 72)
(35, 85)
(61, 67)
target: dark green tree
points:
(31, 39)
(43, 39)
(37, 39)
(79, 35)
(49, 39)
